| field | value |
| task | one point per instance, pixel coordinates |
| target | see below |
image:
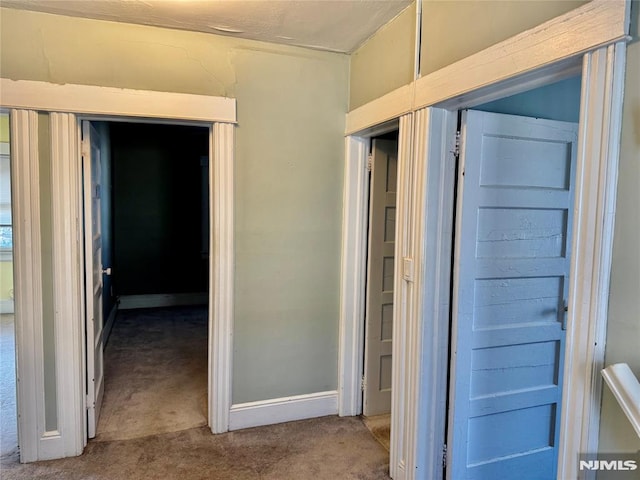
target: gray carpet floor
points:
(155, 373)
(380, 428)
(152, 424)
(8, 414)
(328, 448)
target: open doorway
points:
(153, 211)
(378, 328)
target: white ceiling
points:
(334, 25)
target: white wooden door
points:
(93, 274)
(513, 250)
(379, 316)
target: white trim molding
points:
(626, 389)
(593, 227)
(597, 23)
(92, 100)
(506, 68)
(353, 276)
(388, 107)
(403, 342)
(433, 232)
(69, 437)
(286, 409)
(27, 268)
(221, 273)
(67, 284)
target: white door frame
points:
(67, 104)
(590, 40)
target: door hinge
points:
(88, 403)
(444, 455)
(85, 148)
(363, 383)
(456, 150)
(370, 162)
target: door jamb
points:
(354, 268)
(66, 103)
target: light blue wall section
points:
(557, 101)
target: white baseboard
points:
(6, 306)
(128, 302)
(285, 409)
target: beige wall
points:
(6, 265)
(385, 61)
(454, 29)
(623, 332)
(290, 150)
(4, 127)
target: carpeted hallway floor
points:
(8, 414)
(153, 421)
(328, 448)
(155, 373)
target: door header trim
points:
(92, 100)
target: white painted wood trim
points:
(36, 444)
(625, 387)
(545, 75)
(353, 276)
(221, 273)
(597, 23)
(67, 284)
(596, 185)
(129, 302)
(388, 107)
(27, 270)
(506, 68)
(92, 100)
(403, 357)
(433, 223)
(286, 409)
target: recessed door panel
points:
(512, 260)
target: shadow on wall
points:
(159, 198)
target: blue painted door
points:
(513, 251)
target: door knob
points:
(106, 271)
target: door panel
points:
(93, 274)
(381, 264)
(511, 268)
